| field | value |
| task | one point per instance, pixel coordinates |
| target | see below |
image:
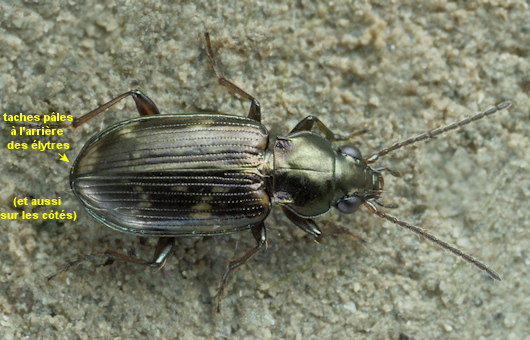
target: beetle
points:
(207, 174)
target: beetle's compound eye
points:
(352, 151)
(349, 204)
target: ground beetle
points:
(209, 174)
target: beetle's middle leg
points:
(162, 251)
(308, 122)
(255, 108)
(259, 233)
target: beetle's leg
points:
(255, 108)
(306, 224)
(162, 251)
(144, 105)
(308, 122)
(394, 173)
(261, 238)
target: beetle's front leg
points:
(255, 108)
(308, 122)
(306, 224)
(259, 233)
(162, 251)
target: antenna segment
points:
(438, 131)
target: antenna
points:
(438, 131)
(422, 232)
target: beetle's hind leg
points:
(144, 105)
(162, 251)
(259, 233)
(255, 108)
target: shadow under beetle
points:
(209, 174)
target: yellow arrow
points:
(64, 158)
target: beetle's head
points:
(356, 182)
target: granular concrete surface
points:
(394, 68)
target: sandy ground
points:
(396, 69)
